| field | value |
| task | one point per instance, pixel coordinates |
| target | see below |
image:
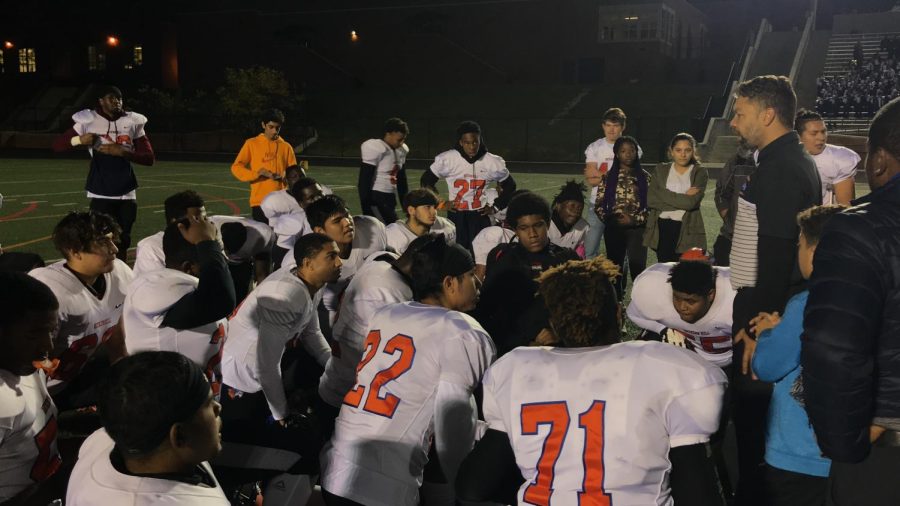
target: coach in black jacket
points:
(851, 346)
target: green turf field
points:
(38, 192)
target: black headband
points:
(457, 261)
(416, 199)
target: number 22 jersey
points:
(595, 425)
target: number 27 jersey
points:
(466, 181)
(595, 425)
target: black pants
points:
(336, 500)
(872, 482)
(257, 214)
(278, 254)
(750, 407)
(384, 207)
(124, 212)
(468, 224)
(722, 251)
(787, 488)
(621, 242)
(669, 230)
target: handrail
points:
(804, 42)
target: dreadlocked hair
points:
(582, 302)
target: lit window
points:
(96, 58)
(138, 56)
(2, 61)
(27, 60)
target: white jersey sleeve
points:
(588, 421)
(95, 482)
(835, 164)
(85, 321)
(149, 255)
(122, 131)
(446, 227)
(387, 162)
(398, 236)
(260, 237)
(279, 202)
(28, 452)
(488, 239)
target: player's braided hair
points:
(582, 302)
(572, 190)
(78, 230)
(812, 221)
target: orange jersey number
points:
(375, 403)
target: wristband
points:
(75, 141)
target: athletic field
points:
(37, 192)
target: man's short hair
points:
(812, 221)
(434, 261)
(321, 210)
(693, 277)
(468, 127)
(803, 117)
(614, 115)
(106, 90)
(309, 245)
(419, 197)
(176, 205)
(234, 236)
(144, 394)
(771, 91)
(177, 249)
(884, 132)
(572, 190)
(581, 302)
(527, 204)
(273, 115)
(291, 169)
(77, 231)
(20, 295)
(396, 125)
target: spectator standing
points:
(764, 255)
(851, 351)
(732, 178)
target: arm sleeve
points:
(454, 426)
(489, 472)
(659, 197)
(313, 341)
(725, 186)
(364, 187)
(776, 260)
(428, 180)
(692, 417)
(241, 168)
(143, 152)
(778, 349)
(214, 297)
(638, 318)
(509, 186)
(693, 477)
(63, 142)
(275, 329)
(842, 323)
(402, 184)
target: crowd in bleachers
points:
(868, 84)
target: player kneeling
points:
(161, 426)
(595, 420)
(422, 361)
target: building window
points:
(138, 56)
(2, 62)
(27, 60)
(96, 59)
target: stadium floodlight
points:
(8, 45)
(353, 36)
(112, 41)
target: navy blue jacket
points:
(851, 342)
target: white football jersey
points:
(387, 162)
(278, 310)
(260, 237)
(122, 131)
(399, 235)
(384, 431)
(376, 285)
(601, 152)
(651, 308)
(599, 422)
(835, 164)
(466, 181)
(149, 299)
(96, 482)
(279, 202)
(85, 321)
(149, 255)
(28, 451)
(488, 239)
(573, 239)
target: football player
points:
(469, 169)
(28, 322)
(687, 304)
(381, 173)
(181, 207)
(248, 248)
(114, 138)
(595, 420)
(160, 427)
(837, 165)
(184, 307)
(421, 218)
(567, 227)
(422, 362)
(90, 285)
(285, 211)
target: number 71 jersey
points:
(466, 181)
(593, 426)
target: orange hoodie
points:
(261, 153)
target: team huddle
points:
(304, 354)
